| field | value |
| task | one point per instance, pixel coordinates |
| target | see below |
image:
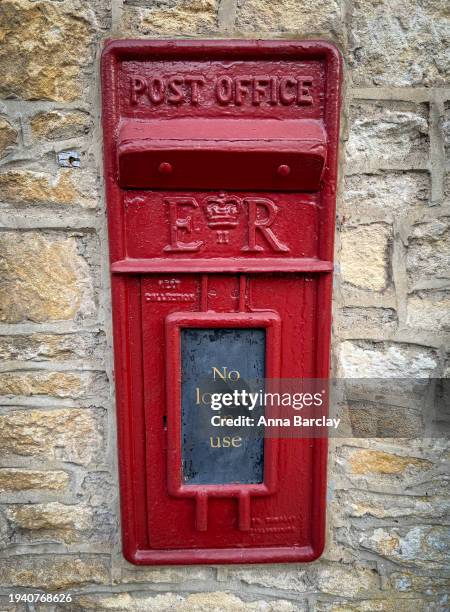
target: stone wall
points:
(388, 510)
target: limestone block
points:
(384, 195)
(377, 420)
(59, 125)
(8, 136)
(89, 387)
(177, 17)
(328, 578)
(52, 521)
(363, 504)
(429, 311)
(66, 187)
(365, 461)
(196, 602)
(43, 278)
(296, 581)
(54, 572)
(369, 319)
(99, 488)
(364, 256)
(16, 479)
(423, 546)
(52, 347)
(45, 46)
(428, 255)
(400, 43)
(348, 581)
(406, 581)
(386, 360)
(323, 17)
(386, 133)
(162, 575)
(374, 605)
(55, 384)
(72, 435)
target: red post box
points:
(220, 169)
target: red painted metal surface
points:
(222, 154)
(220, 170)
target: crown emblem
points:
(222, 211)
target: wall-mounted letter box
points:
(220, 170)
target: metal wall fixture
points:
(220, 167)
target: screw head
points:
(283, 170)
(165, 168)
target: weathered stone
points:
(348, 581)
(162, 575)
(53, 573)
(16, 479)
(364, 256)
(384, 195)
(297, 581)
(57, 384)
(179, 17)
(353, 319)
(357, 504)
(196, 602)
(429, 311)
(432, 230)
(45, 46)
(8, 136)
(59, 435)
(59, 125)
(328, 578)
(98, 488)
(406, 581)
(428, 255)
(43, 278)
(52, 521)
(382, 134)
(66, 187)
(377, 420)
(52, 347)
(365, 461)
(374, 605)
(400, 43)
(423, 546)
(322, 18)
(385, 360)
(87, 385)
(6, 532)
(6, 606)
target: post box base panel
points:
(220, 172)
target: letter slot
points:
(258, 154)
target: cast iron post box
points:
(220, 169)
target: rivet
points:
(165, 168)
(283, 170)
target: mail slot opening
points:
(222, 154)
(220, 361)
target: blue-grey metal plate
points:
(220, 455)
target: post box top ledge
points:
(133, 49)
